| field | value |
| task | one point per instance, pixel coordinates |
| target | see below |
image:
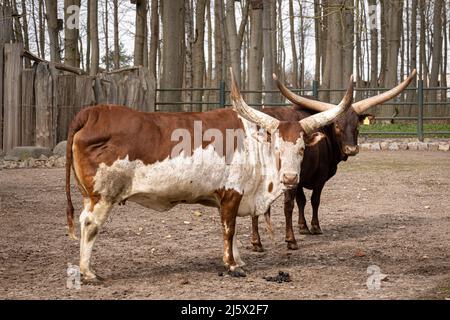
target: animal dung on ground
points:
(281, 277)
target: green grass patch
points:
(410, 129)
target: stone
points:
(413, 146)
(384, 145)
(23, 153)
(60, 149)
(444, 147)
(433, 146)
(422, 146)
(393, 146)
(2, 153)
(60, 162)
(375, 147)
(403, 146)
(365, 146)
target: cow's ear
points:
(313, 139)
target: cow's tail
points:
(77, 123)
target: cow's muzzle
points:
(351, 150)
(290, 180)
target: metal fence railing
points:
(220, 99)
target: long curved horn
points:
(359, 106)
(321, 119)
(301, 101)
(365, 104)
(250, 114)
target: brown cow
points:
(320, 161)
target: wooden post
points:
(66, 98)
(28, 108)
(44, 106)
(12, 95)
(84, 95)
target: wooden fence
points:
(37, 104)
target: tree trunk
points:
(53, 30)
(106, 28)
(173, 13)
(218, 43)
(26, 37)
(384, 43)
(198, 53)
(154, 40)
(268, 50)
(422, 52)
(188, 66)
(116, 55)
(209, 74)
(437, 49)
(41, 28)
(394, 20)
(93, 31)
(88, 38)
(255, 52)
(317, 38)
(348, 41)
(71, 33)
(413, 56)
(235, 54)
(18, 34)
(293, 45)
(141, 22)
(373, 44)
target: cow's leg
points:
(91, 220)
(315, 202)
(256, 240)
(288, 208)
(228, 213)
(301, 203)
(236, 254)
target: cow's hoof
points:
(315, 230)
(292, 245)
(237, 272)
(257, 247)
(91, 278)
(303, 229)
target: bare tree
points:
(255, 52)
(139, 39)
(269, 51)
(198, 52)
(71, 34)
(93, 32)
(106, 29)
(53, 30)
(437, 49)
(317, 38)
(373, 44)
(116, 56)
(235, 54)
(293, 45)
(173, 50)
(41, 28)
(154, 38)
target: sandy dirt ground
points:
(388, 209)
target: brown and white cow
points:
(120, 154)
